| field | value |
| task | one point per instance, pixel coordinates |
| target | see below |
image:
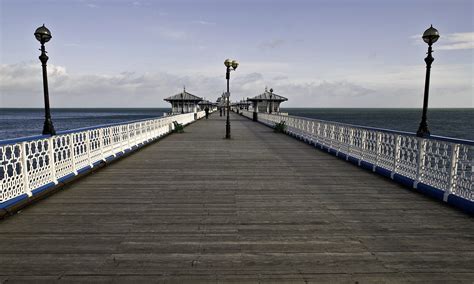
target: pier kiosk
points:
(205, 103)
(268, 102)
(221, 103)
(242, 105)
(183, 102)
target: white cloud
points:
(204, 23)
(21, 86)
(453, 41)
(457, 41)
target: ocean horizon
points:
(449, 122)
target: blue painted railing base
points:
(12, 202)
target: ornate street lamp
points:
(43, 35)
(430, 36)
(228, 64)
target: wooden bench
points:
(178, 127)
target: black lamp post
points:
(430, 36)
(228, 64)
(271, 102)
(43, 35)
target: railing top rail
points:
(62, 132)
(432, 137)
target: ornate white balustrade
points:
(439, 166)
(32, 164)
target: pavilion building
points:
(183, 102)
(205, 103)
(268, 102)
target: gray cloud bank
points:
(21, 86)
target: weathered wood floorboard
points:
(261, 207)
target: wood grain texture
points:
(259, 208)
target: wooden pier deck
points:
(262, 207)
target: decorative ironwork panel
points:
(436, 166)
(11, 172)
(357, 142)
(371, 147)
(80, 150)
(407, 164)
(38, 163)
(62, 155)
(107, 147)
(387, 151)
(345, 139)
(95, 145)
(463, 177)
(116, 139)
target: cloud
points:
(327, 93)
(21, 86)
(341, 88)
(280, 77)
(90, 5)
(457, 41)
(204, 23)
(271, 44)
(453, 41)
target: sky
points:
(320, 53)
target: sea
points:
(455, 123)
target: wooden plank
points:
(258, 208)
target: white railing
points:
(30, 164)
(442, 163)
(201, 114)
(247, 113)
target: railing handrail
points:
(432, 137)
(61, 132)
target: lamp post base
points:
(227, 129)
(255, 116)
(48, 128)
(423, 130)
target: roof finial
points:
(184, 88)
(266, 89)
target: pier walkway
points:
(261, 207)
